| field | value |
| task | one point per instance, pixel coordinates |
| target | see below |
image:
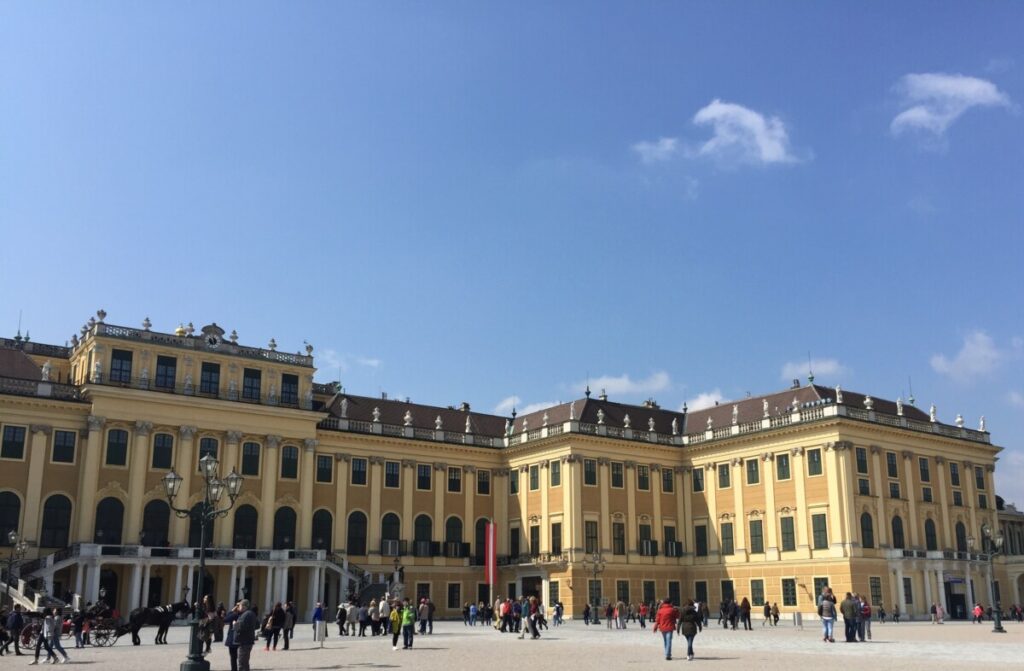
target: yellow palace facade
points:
(768, 497)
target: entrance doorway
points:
(532, 586)
(957, 604)
(108, 587)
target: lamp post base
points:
(195, 660)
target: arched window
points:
(453, 530)
(56, 522)
(390, 527)
(10, 515)
(897, 533)
(961, 537)
(109, 521)
(323, 525)
(931, 541)
(423, 528)
(867, 531)
(481, 537)
(156, 518)
(284, 529)
(246, 519)
(194, 528)
(356, 544)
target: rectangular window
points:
(64, 447)
(864, 486)
(617, 478)
(649, 591)
(117, 447)
(513, 482)
(289, 389)
(647, 545)
(209, 379)
(590, 537)
(590, 471)
(14, 443)
(392, 474)
(820, 531)
(553, 593)
(726, 535)
(789, 591)
(753, 472)
(698, 479)
(958, 498)
(668, 480)
(534, 548)
(979, 477)
(556, 538)
(207, 447)
(782, 466)
(982, 501)
(358, 471)
(483, 483)
(618, 538)
(926, 494)
(120, 366)
(894, 490)
(454, 596)
(251, 459)
(555, 472)
(163, 451)
(875, 589)
(700, 540)
(166, 370)
(862, 460)
(757, 592)
(819, 584)
(700, 591)
(594, 591)
(643, 478)
(723, 476)
(423, 476)
(954, 474)
(786, 529)
(728, 590)
(454, 479)
(814, 462)
(534, 477)
(290, 462)
(513, 541)
(892, 467)
(756, 536)
(672, 548)
(924, 469)
(324, 468)
(252, 384)
(622, 590)
(422, 591)
(908, 591)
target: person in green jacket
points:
(408, 623)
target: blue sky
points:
(480, 201)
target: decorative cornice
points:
(273, 441)
(503, 472)
(143, 428)
(343, 456)
(440, 466)
(736, 461)
(655, 468)
(630, 465)
(187, 432)
(796, 451)
(767, 456)
(603, 461)
(907, 454)
(573, 458)
(44, 429)
(96, 423)
(941, 461)
(234, 437)
(375, 459)
(875, 449)
(409, 463)
(843, 445)
(524, 469)
(469, 468)
(310, 444)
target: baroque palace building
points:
(768, 497)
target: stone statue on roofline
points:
(675, 426)
(839, 394)
(438, 423)
(764, 407)
(45, 374)
(981, 424)
(626, 421)
(899, 406)
(735, 414)
(933, 413)
(650, 424)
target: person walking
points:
(767, 613)
(896, 614)
(275, 621)
(689, 620)
(245, 633)
(940, 616)
(56, 631)
(395, 624)
(827, 613)
(43, 640)
(643, 615)
(384, 610)
(665, 624)
(229, 639)
(423, 613)
(318, 618)
(745, 615)
(775, 614)
(408, 624)
(430, 616)
(865, 618)
(364, 620)
(15, 623)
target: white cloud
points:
(703, 400)
(660, 150)
(743, 135)
(934, 100)
(506, 404)
(1010, 476)
(368, 362)
(977, 357)
(329, 361)
(1016, 399)
(798, 369)
(534, 407)
(624, 385)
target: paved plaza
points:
(454, 646)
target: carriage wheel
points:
(101, 637)
(29, 635)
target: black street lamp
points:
(994, 543)
(204, 513)
(594, 563)
(18, 549)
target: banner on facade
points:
(491, 554)
(952, 578)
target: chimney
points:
(464, 407)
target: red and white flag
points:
(491, 554)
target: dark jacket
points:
(15, 621)
(229, 620)
(689, 619)
(245, 628)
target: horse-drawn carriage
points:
(102, 627)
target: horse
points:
(160, 617)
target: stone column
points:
(545, 522)
(900, 594)
(879, 491)
(138, 465)
(307, 483)
(971, 499)
(185, 465)
(942, 591)
(89, 481)
(604, 481)
(835, 508)
(232, 585)
(684, 505)
(469, 491)
(225, 527)
(771, 545)
(798, 472)
(373, 524)
(575, 511)
(146, 576)
(848, 485)
(912, 493)
(268, 493)
(240, 584)
(79, 578)
(94, 583)
(500, 482)
(136, 586)
(37, 459)
(740, 519)
(969, 584)
(268, 592)
(657, 525)
(522, 473)
(631, 521)
(176, 597)
(927, 577)
(440, 484)
(341, 500)
(710, 493)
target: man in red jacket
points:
(665, 622)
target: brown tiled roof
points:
(392, 411)
(614, 415)
(15, 363)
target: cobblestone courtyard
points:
(454, 646)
